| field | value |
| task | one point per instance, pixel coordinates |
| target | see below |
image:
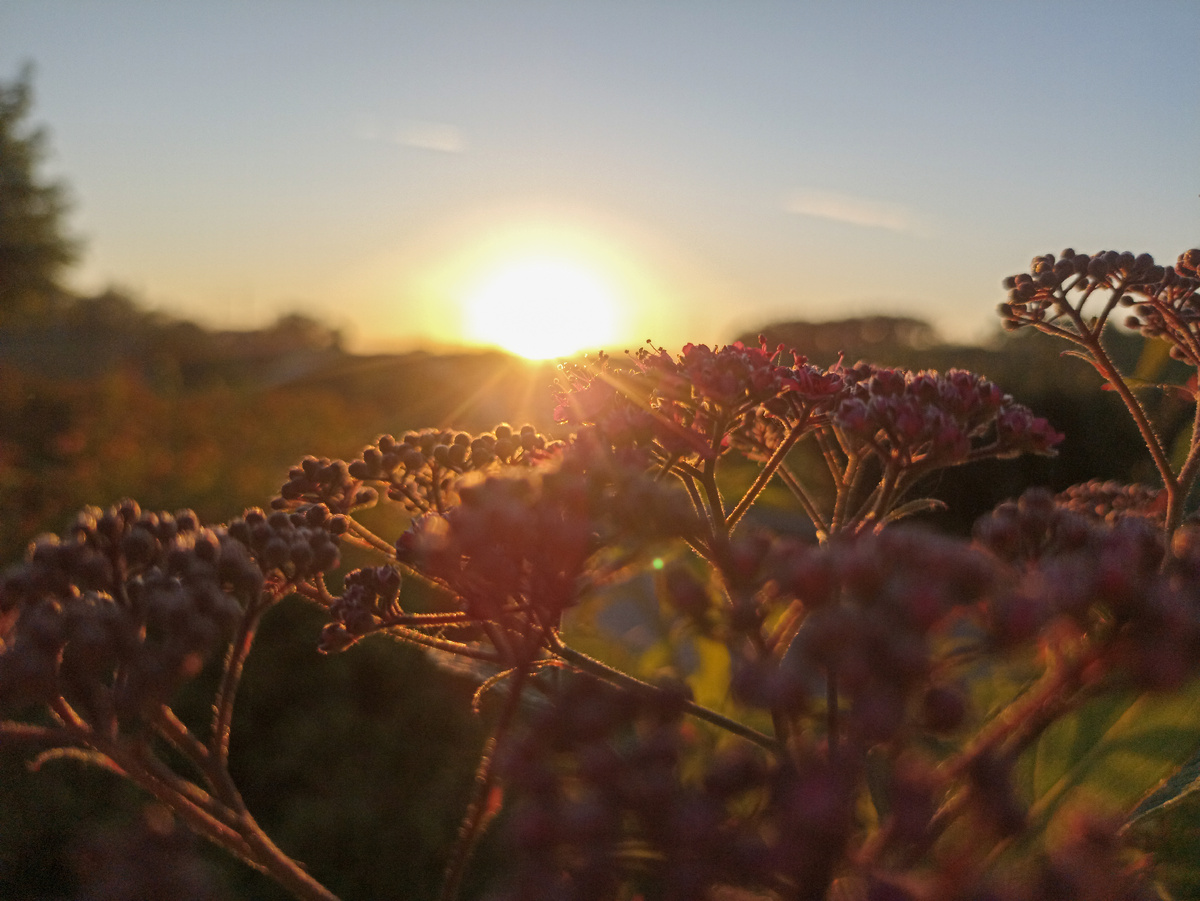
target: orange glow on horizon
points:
(538, 282)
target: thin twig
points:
(603, 671)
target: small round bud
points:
(279, 521)
(275, 553)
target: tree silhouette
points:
(34, 246)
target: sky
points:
(696, 169)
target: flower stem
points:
(478, 813)
(594, 667)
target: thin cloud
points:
(854, 211)
(439, 136)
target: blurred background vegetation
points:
(358, 764)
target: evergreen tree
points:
(34, 246)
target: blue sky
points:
(720, 164)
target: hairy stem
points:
(478, 810)
(764, 475)
(235, 660)
(412, 636)
(1089, 337)
(716, 506)
(1187, 476)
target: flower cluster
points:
(1041, 294)
(1111, 579)
(1055, 289)
(1051, 298)
(711, 389)
(906, 418)
(370, 600)
(1113, 500)
(691, 404)
(1167, 306)
(684, 412)
(601, 795)
(868, 614)
(120, 612)
(419, 471)
(320, 480)
(517, 547)
(1032, 527)
(298, 545)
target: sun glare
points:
(541, 308)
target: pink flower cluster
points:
(598, 765)
(905, 418)
(691, 405)
(518, 548)
(704, 400)
(1112, 578)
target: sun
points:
(542, 307)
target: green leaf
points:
(1171, 833)
(1067, 742)
(1141, 384)
(710, 679)
(1112, 752)
(1153, 360)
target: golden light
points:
(542, 307)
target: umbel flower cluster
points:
(861, 709)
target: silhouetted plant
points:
(874, 712)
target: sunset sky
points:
(417, 172)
